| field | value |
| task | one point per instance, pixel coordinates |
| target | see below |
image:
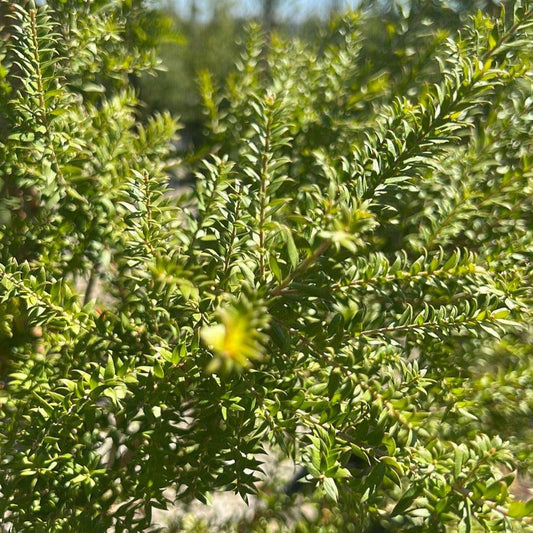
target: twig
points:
(301, 268)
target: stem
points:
(203, 215)
(263, 195)
(304, 265)
(412, 327)
(392, 277)
(90, 285)
(229, 251)
(42, 107)
(35, 42)
(148, 204)
(40, 93)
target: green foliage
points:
(349, 278)
(208, 44)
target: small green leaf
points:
(158, 370)
(520, 509)
(292, 250)
(109, 372)
(274, 266)
(330, 488)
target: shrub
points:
(349, 281)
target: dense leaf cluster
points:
(350, 277)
